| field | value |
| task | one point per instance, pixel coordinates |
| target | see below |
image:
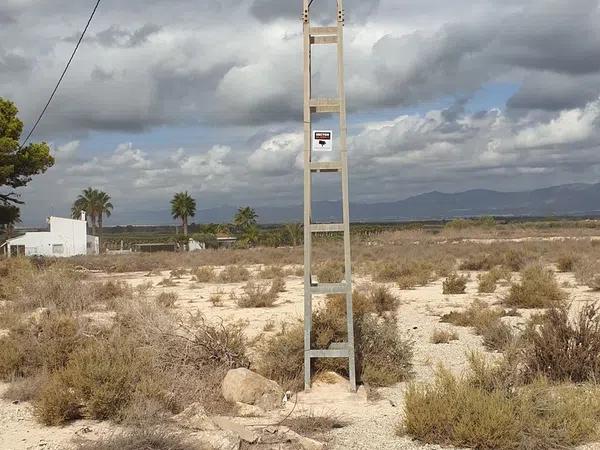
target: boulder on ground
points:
(244, 410)
(244, 433)
(194, 417)
(243, 385)
(221, 440)
(285, 434)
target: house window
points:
(58, 249)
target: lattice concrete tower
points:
(333, 35)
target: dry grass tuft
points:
(167, 299)
(270, 272)
(142, 439)
(563, 349)
(567, 262)
(538, 289)
(330, 272)
(233, 274)
(443, 336)
(486, 322)
(456, 411)
(256, 295)
(204, 274)
(454, 284)
(216, 298)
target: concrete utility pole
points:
(322, 36)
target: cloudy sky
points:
(206, 96)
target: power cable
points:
(62, 76)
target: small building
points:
(226, 241)
(67, 237)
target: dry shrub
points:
(511, 258)
(278, 285)
(443, 336)
(538, 289)
(489, 280)
(567, 262)
(39, 346)
(98, 382)
(486, 322)
(454, 284)
(563, 349)
(330, 272)
(456, 411)
(167, 282)
(109, 291)
(487, 283)
(167, 299)
(233, 274)
(216, 298)
(256, 295)
(407, 275)
(281, 356)
(270, 272)
(368, 298)
(383, 355)
(587, 272)
(179, 273)
(204, 274)
(25, 389)
(142, 439)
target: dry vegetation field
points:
(472, 338)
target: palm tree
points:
(294, 231)
(245, 218)
(96, 204)
(182, 207)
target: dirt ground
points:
(373, 424)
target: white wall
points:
(73, 232)
(67, 237)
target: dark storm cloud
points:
(554, 92)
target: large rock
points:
(245, 386)
(228, 425)
(221, 440)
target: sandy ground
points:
(373, 424)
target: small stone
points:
(362, 393)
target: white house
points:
(67, 237)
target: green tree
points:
(17, 164)
(10, 215)
(183, 206)
(96, 204)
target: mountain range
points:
(564, 200)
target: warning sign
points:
(322, 141)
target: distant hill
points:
(565, 200)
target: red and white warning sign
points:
(323, 141)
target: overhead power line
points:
(62, 76)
